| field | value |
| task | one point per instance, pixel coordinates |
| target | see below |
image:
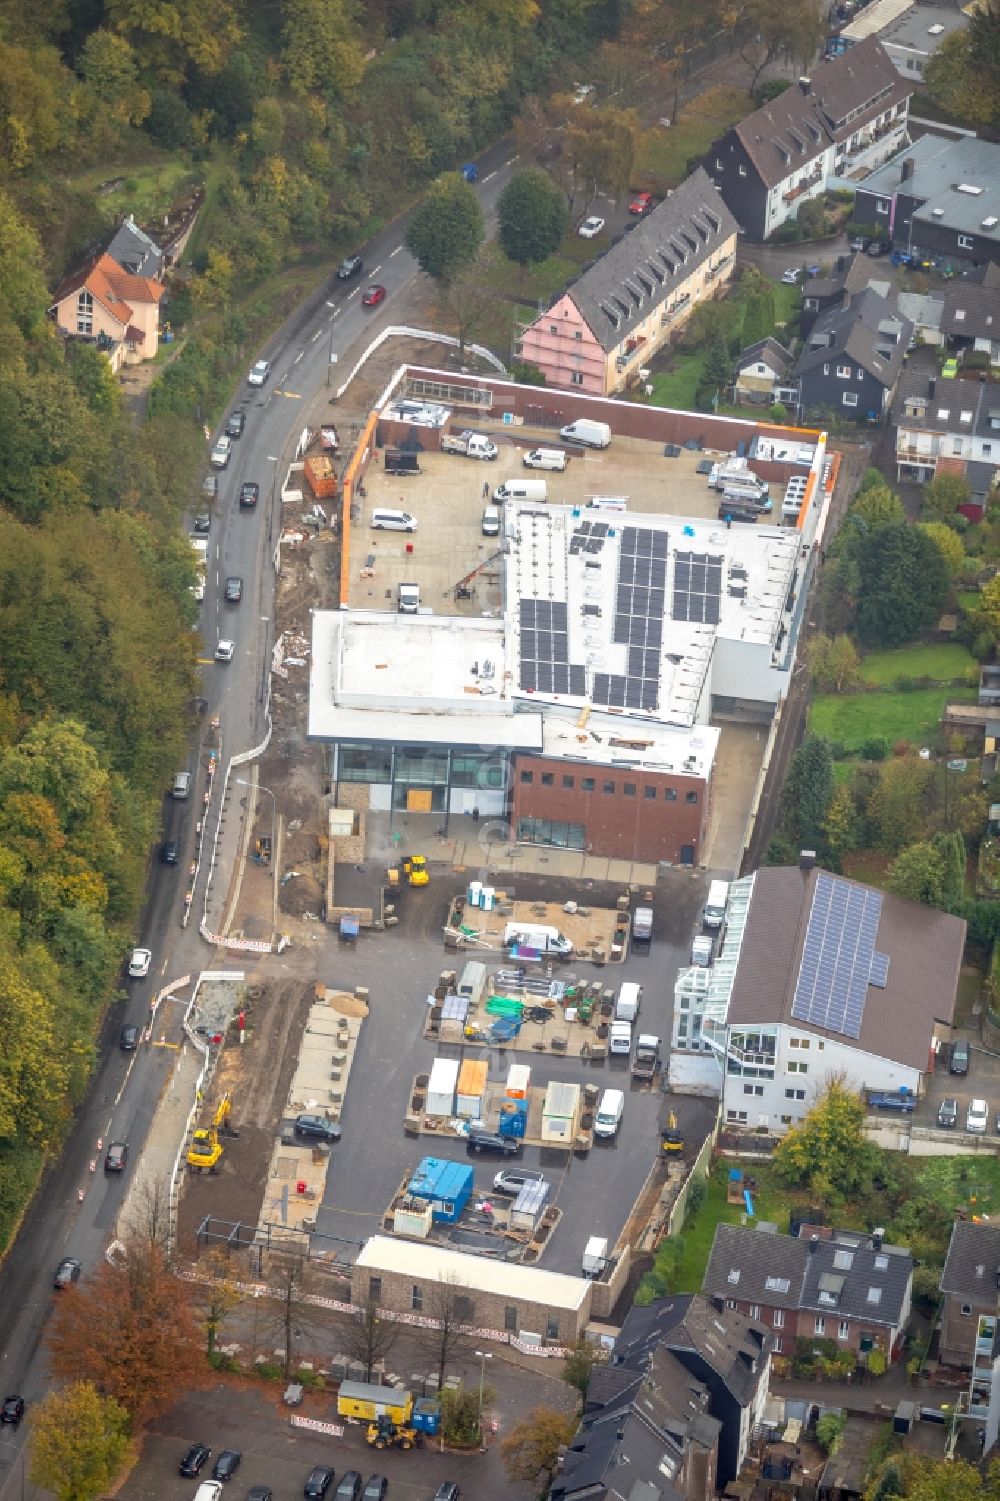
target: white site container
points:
(441, 1087)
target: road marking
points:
(395, 252)
(352, 295)
(510, 161)
(205, 661)
(376, 269)
(489, 177)
(336, 314)
(298, 356)
(290, 395)
(315, 336)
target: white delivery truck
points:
(521, 489)
(595, 1256)
(409, 599)
(620, 1038)
(628, 1002)
(545, 939)
(714, 914)
(545, 458)
(702, 951)
(470, 445)
(589, 434)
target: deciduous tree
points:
(917, 873)
(942, 496)
(370, 1336)
(897, 805)
(808, 790)
(828, 1154)
(446, 229)
(904, 584)
(129, 1329)
(451, 1310)
(949, 545)
(767, 30)
(531, 1449)
(833, 662)
(579, 1364)
(79, 1442)
(532, 217)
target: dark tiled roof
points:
(972, 1266)
(775, 354)
(971, 312)
(866, 330)
(734, 1346)
(647, 264)
(135, 251)
(845, 1277)
(924, 946)
(914, 406)
(795, 127)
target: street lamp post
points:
(259, 787)
(484, 1356)
(19, 1451)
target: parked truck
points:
(199, 546)
(470, 445)
(646, 1058)
(519, 936)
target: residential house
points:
(945, 425)
(105, 305)
(926, 312)
(849, 117)
(598, 334)
(725, 1350)
(841, 1285)
(850, 274)
(938, 200)
(909, 33)
(818, 977)
(135, 252)
(970, 1287)
(853, 357)
(970, 318)
(652, 1424)
(763, 373)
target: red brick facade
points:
(800, 1323)
(626, 814)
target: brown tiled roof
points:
(925, 954)
(972, 1266)
(112, 287)
(792, 129)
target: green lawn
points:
(962, 1182)
(969, 599)
(851, 718)
(676, 387)
(148, 188)
(944, 662)
(664, 152)
(769, 1201)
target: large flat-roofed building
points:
(583, 712)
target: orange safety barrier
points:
(352, 474)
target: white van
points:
(628, 1002)
(620, 1038)
(392, 521)
(590, 434)
(472, 982)
(595, 1256)
(702, 951)
(545, 458)
(546, 940)
(610, 1110)
(521, 489)
(490, 526)
(715, 906)
(182, 785)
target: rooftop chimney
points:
(877, 1239)
(931, 387)
(807, 859)
(813, 1244)
(719, 1304)
(908, 166)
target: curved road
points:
(126, 1087)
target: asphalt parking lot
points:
(596, 1192)
(982, 1082)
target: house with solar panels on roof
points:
(817, 976)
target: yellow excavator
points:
(671, 1139)
(205, 1151)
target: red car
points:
(641, 203)
(372, 296)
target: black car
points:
(318, 1483)
(234, 590)
(375, 1488)
(352, 265)
(249, 493)
(235, 423)
(195, 1459)
(226, 1465)
(116, 1157)
(876, 248)
(128, 1039)
(350, 1487)
(67, 1272)
(447, 1491)
(168, 852)
(316, 1128)
(259, 1493)
(12, 1410)
(491, 1141)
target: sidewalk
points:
(882, 1394)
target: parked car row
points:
(318, 1485)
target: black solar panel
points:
(838, 956)
(697, 588)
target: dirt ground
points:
(276, 1017)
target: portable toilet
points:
(441, 1087)
(471, 1095)
(446, 1185)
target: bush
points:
(697, 1194)
(527, 374)
(875, 748)
(829, 1430)
(778, 412)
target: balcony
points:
(803, 187)
(718, 270)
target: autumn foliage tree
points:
(130, 1330)
(531, 1449)
(828, 1154)
(78, 1443)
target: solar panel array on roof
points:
(588, 537)
(544, 665)
(639, 609)
(697, 587)
(837, 956)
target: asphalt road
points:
(125, 1088)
